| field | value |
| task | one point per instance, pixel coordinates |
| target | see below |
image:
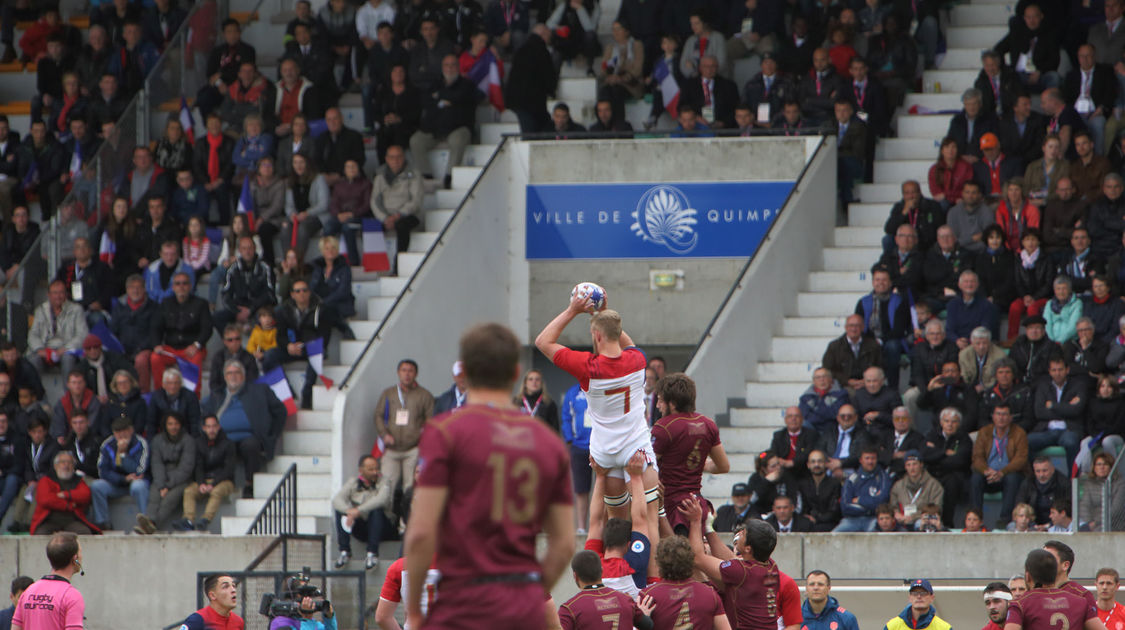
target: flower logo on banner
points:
(665, 216)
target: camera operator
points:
(310, 601)
(222, 595)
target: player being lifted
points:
(1045, 607)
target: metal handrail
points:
(429, 252)
(745, 268)
(278, 515)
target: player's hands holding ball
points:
(587, 297)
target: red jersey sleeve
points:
(575, 363)
(566, 618)
(790, 599)
(1015, 613)
(660, 438)
(732, 572)
(595, 545)
(433, 458)
(392, 585)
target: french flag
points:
(669, 88)
(107, 249)
(275, 378)
(374, 247)
(315, 350)
(246, 203)
(109, 340)
(378, 448)
(186, 120)
(190, 373)
(487, 72)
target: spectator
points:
(427, 58)
(608, 122)
(534, 76)
(411, 406)
(331, 280)
(731, 516)
(61, 500)
(1062, 214)
(92, 60)
(1023, 519)
(289, 271)
(819, 90)
(1060, 405)
(507, 24)
(713, 95)
(1041, 178)
(783, 519)
(197, 246)
(924, 215)
(173, 151)
(9, 166)
(1102, 424)
(124, 401)
(41, 151)
(1043, 489)
(59, 328)
(792, 443)
(109, 103)
(930, 355)
(183, 326)
(1107, 217)
(300, 319)
(579, 20)
(1085, 354)
(968, 127)
(251, 93)
(228, 254)
(999, 458)
(171, 397)
(77, 398)
(1022, 132)
(133, 60)
(306, 204)
(268, 191)
(359, 508)
(913, 491)
(1033, 284)
(161, 23)
(767, 88)
(886, 318)
(348, 207)
(232, 349)
(249, 285)
(1092, 92)
(123, 463)
(535, 401)
(161, 273)
(896, 441)
(173, 463)
(396, 197)
(769, 481)
(1090, 508)
(822, 401)
(132, 324)
(189, 200)
(295, 95)
(947, 455)
(120, 231)
(11, 462)
(315, 61)
(157, 231)
(840, 49)
(20, 369)
(252, 417)
(978, 361)
(222, 66)
(250, 148)
(1103, 36)
(1089, 169)
(820, 494)
(383, 56)
(869, 98)
(965, 313)
(212, 476)
(447, 116)
(214, 165)
(947, 389)
(850, 354)
(88, 280)
(995, 167)
(398, 108)
(1017, 395)
(862, 492)
(796, 51)
(942, 269)
(1032, 49)
(999, 85)
(844, 444)
(1062, 311)
(1079, 265)
(1062, 121)
(621, 70)
(114, 15)
(337, 145)
(573, 404)
(969, 217)
(1031, 352)
(49, 84)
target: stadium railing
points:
(278, 515)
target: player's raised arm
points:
(626, 340)
(420, 545)
(638, 510)
(708, 564)
(548, 339)
(597, 503)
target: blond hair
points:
(608, 323)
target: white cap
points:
(457, 369)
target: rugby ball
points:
(590, 290)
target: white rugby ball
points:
(590, 290)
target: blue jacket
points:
(831, 618)
(157, 293)
(872, 490)
(575, 431)
(820, 413)
(866, 303)
(183, 207)
(961, 318)
(248, 151)
(135, 461)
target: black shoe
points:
(203, 525)
(248, 491)
(9, 54)
(17, 528)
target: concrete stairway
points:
(828, 295)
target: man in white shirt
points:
(369, 17)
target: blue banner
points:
(654, 220)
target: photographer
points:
(309, 600)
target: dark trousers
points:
(1009, 485)
(9, 490)
(391, 135)
(372, 529)
(208, 100)
(952, 485)
(267, 232)
(848, 170)
(534, 121)
(252, 455)
(892, 353)
(9, 15)
(403, 226)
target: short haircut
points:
(211, 582)
(761, 539)
(608, 323)
(884, 508)
(490, 356)
(617, 533)
(1041, 567)
(587, 566)
(363, 459)
(1061, 505)
(996, 586)
(61, 549)
(1102, 571)
(975, 510)
(21, 583)
(782, 497)
(1041, 459)
(1065, 553)
(231, 22)
(827, 578)
(410, 362)
(677, 389)
(869, 450)
(980, 332)
(562, 107)
(38, 422)
(674, 558)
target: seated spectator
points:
(1085, 355)
(1102, 427)
(924, 215)
(92, 59)
(770, 480)
(124, 401)
(306, 204)
(123, 468)
(862, 492)
(840, 49)
(249, 285)
(1009, 390)
(818, 91)
(171, 397)
(84, 444)
(183, 326)
(869, 98)
(20, 369)
(1061, 521)
(995, 166)
(731, 516)
(212, 476)
(608, 122)
(844, 442)
(109, 103)
(398, 110)
(965, 312)
(1091, 90)
(915, 489)
(886, 318)
(1062, 121)
(59, 91)
(396, 197)
(223, 63)
(197, 246)
(214, 165)
(41, 151)
(132, 323)
(315, 60)
(1042, 177)
(232, 349)
(160, 273)
(820, 494)
(173, 464)
(61, 500)
(1033, 282)
(690, 125)
(1090, 507)
(1089, 169)
(947, 389)
(875, 401)
(796, 50)
(1023, 520)
(331, 280)
(133, 60)
(714, 96)
(1102, 308)
(250, 94)
(968, 127)
(1079, 264)
(295, 95)
(88, 281)
(1032, 350)
(947, 454)
(9, 166)
(428, 58)
(119, 236)
(1063, 213)
(359, 508)
(155, 231)
(978, 361)
(268, 191)
(11, 462)
(852, 138)
(969, 217)
(789, 121)
(783, 519)
(1060, 407)
(1062, 311)
(822, 400)
(250, 148)
(942, 268)
(384, 54)
(850, 354)
(793, 443)
(300, 319)
(885, 522)
(189, 199)
(999, 458)
(58, 330)
(767, 87)
(1032, 49)
(703, 42)
(339, 144)
(161, 22)
(974, 522)
(113, 16)
(897, 441)
(928, 357)
(621, 70)
(290, 270)
(998, 84)
(1105, 225)
(228, 253)
(77, 398)
(1046, 486)
(348, 207)
(252, 417)
(447, 116)
(996, 267)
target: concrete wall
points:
(134, 581)
(721, 367)
(651, 317)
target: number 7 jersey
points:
(615, 395)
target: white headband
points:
(997, 595)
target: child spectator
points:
(264, 336)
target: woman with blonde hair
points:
(534, 400)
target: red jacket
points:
(1013, 229)
(47, 500)
(950, 181)
(34, 40)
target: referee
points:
(53, 602)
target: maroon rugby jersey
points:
(503, 470)
(1081, 591)
(687, 604)
(601, 608)
(1050, 609)
(682, 442)
(756, 594)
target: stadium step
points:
(781, 371)
(868, 214)
(898, 171)
(907, 149)
(810, 326)
(306, 464)
(927, 127)
(932, 101)
(465, 176)
(798, 348)
(829, 281)
(491, 133)
(308, 485)
(880, 193)
(306, 442)
(305, 507)
(572, 91)
(850, 258)
(980, 15)
(961, 59)
(826, 304)
(980, 37)
(857, 236)
(949, 81)
(759, 417)
(774, 394)
(239, 525)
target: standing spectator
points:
(59, 328)
(533, 78)
(396, 197)
(133, 320)
(863, 491)
(212, 477)
(507, 24)
(1041, 490)
(948, 455)
(183, 326)
(222, 66)
(330, 279)
(576, 433)
(580, 19)
(820, 494)
(447, 116)
(123, 463)
(252, 417)
(348, 207)
(822, 400)
(621, 69)
(999, 459)
(1060, 405)
(400, 414)
(359, 508)
(268, 191)
(61, 500)
(534, 400)
(336, 146)
(1032, 48)
(173, 462)
(454, 398)
(306, 204)
(300, 319)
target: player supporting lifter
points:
(686, 445)
(679, 600)
(613, 377)
(489, 480)
(1044, 607)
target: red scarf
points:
(1098, 300)
(68, 402)
(134, 305)
(68, 102)
(214, 142)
